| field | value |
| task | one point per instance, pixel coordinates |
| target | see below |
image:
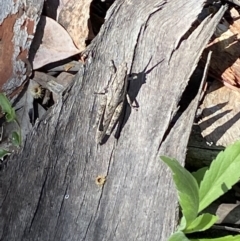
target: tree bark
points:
(18, 21)
(49, 190)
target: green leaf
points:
(16, 138)
(178, 236)
(201, 223)
(221, 175)
(4, 153)
(7, 108)
(199, 174)
(183, 224)
(187, 188)
(226, 238)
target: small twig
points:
(226, 228)
(46, 97)
(204, 85)
(48, 82)
(205, 74)
(72, 66)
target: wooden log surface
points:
(49, 190)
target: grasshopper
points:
(112, 102)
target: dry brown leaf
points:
(56, 44)
(74, 16)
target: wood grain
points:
(49, 190)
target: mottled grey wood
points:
(49, 190)
(18, 22)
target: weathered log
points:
(49, 190)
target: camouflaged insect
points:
(112, 102)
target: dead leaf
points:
(55, 43)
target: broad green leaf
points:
(4, 153)
(16, 138)
(7, 108)
(178, 236)
(183, 224)
(187, 188)
(222, 174)
(226, 238)
(201, 223)
(199, 174)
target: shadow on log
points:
(49, 190)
